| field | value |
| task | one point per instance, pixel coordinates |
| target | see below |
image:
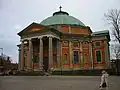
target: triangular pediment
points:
(31, 28)
(37, 28)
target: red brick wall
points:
(101, 48)
(65, 49)
(75, 29)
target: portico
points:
(40, 52)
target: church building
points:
(63, 42)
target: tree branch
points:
(113, 18)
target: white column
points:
(41, 54)
(50, 53)
(22, 56)
(30, 55)
(19, 63)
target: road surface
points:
(56, 82)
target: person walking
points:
(104, 81)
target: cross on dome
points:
(60, 8)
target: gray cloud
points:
(17, 14)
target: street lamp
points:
(1, 51)
(1, 61)
(1, 54)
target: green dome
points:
(61, 18)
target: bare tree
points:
(116, 51)
(113, 19)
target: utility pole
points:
(1, 51)
(1, 60)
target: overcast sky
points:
(17, 14)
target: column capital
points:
(19, 49)
(50, 36)
(29, 39)
(21, 40)
(80, 40)
(90, 41)
(71, 40)
(40, 37)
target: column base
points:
(49, 71)
(36, 69)
(29, 69)
(41, 68)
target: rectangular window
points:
(98, 56)
(97, 43)
(76, 57)
(85, 58)
(65, 58)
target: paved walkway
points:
(55, 83)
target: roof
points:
(45, 29)
(29, 26)
(102, 33)
(61, 17)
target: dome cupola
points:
(61, 18)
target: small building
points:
(63, 41)
(6, 64)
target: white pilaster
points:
(91, 54)
(70, 53)
(81, 55)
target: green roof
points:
(100, 32)
(61, 18)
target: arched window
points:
(85, 58)
(98, 56)
(65, 58)
(76, 57)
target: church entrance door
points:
(45, 63)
